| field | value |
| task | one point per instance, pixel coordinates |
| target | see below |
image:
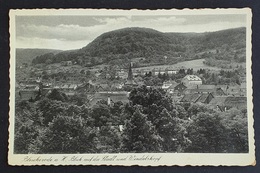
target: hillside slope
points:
(153, 46)
(27, 55)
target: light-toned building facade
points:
(191, 80)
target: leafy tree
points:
(172, 130)
(73, 110)
(152, 81)
(235, 122)
(181, 112)
(26, 123)
(207, 134)
(23, 106)
(196, 108)
(93, 61)
(140, 135)
(57, 95)
(48, 109)
(79, 99)
(45, 58)
(101, 114)
(67, 135)
(117, 113)
(110, 139)
(160, 76)
(82, 71)
(25, 134)
(190, 71)
(148, 96)
(164, 116)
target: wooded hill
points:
(152, 46)
(27, 55)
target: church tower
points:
(130, 79)
(130, 73)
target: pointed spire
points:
(130, 79)
(130, 73)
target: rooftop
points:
(192, 78)
(191, 97)
(113, 95)
(218, 100)
(203, 98)
(230, 101)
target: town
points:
(183, 85)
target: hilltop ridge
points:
(152, 46)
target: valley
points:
(135, 90)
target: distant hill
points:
(139, 41)
(27, 55)
(153, 46)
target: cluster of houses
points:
(222, 97)
(30, 91)
(189, 90)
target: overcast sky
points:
(74, 32)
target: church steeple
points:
(130, 79)
(130, 73)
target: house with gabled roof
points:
(197, 98)
(234, 90)
(103, 87)
(29, 92)
(190, 98)
(68, 89)
(236, 102)
(205, 98)
(214, 89)
(86, 88)
(224, 103)
(176, 88)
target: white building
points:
(156, 71)
(167, 84)
(170, 70)
(191, 80)
(121, 74)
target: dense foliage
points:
(124, 44)
(151, 122)
(27, 55)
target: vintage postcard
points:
(131, 87)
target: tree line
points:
(150, 122)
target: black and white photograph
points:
(124, 87)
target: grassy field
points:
(194, 64)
